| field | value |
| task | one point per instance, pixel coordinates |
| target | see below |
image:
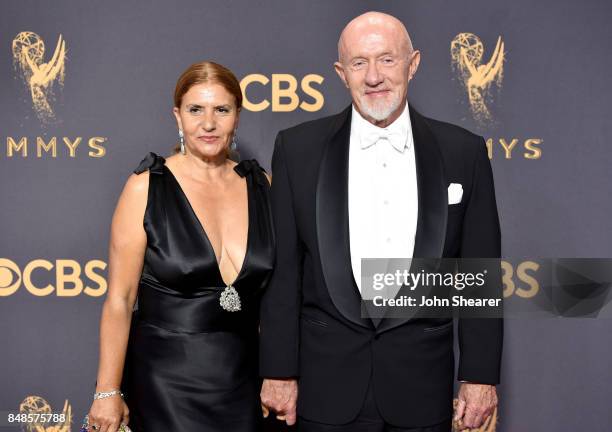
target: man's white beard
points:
(381, 110)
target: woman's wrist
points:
(107, 394)
(107, 385)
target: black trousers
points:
(368, 420)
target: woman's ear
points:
(238, 111)
(177, 115)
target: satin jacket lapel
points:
(433, 200)
(333, 223)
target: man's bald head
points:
(376, 61)
(373, 23)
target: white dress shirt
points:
(382, 191)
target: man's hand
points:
(280, 396)
(476, 403)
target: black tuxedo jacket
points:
(311, 322)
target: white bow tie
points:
(371, 136)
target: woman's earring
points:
(233, 145)
(181, 136)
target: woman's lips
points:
(208, 139)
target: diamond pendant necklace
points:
(230, 300)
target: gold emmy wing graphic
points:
(28, 59)
(477, 78)
(490, 424)
(38, 405)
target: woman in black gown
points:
(192, 240)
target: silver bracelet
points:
(102, 395)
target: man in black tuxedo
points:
(378, 179)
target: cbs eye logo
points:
(69, 277)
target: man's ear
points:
(339, 68)
(414, 64)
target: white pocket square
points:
(455, 192)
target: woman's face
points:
(208, 117)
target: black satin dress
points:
(191, 364)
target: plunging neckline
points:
(205, 234)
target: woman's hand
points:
(108, 414)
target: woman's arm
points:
(126, 255)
